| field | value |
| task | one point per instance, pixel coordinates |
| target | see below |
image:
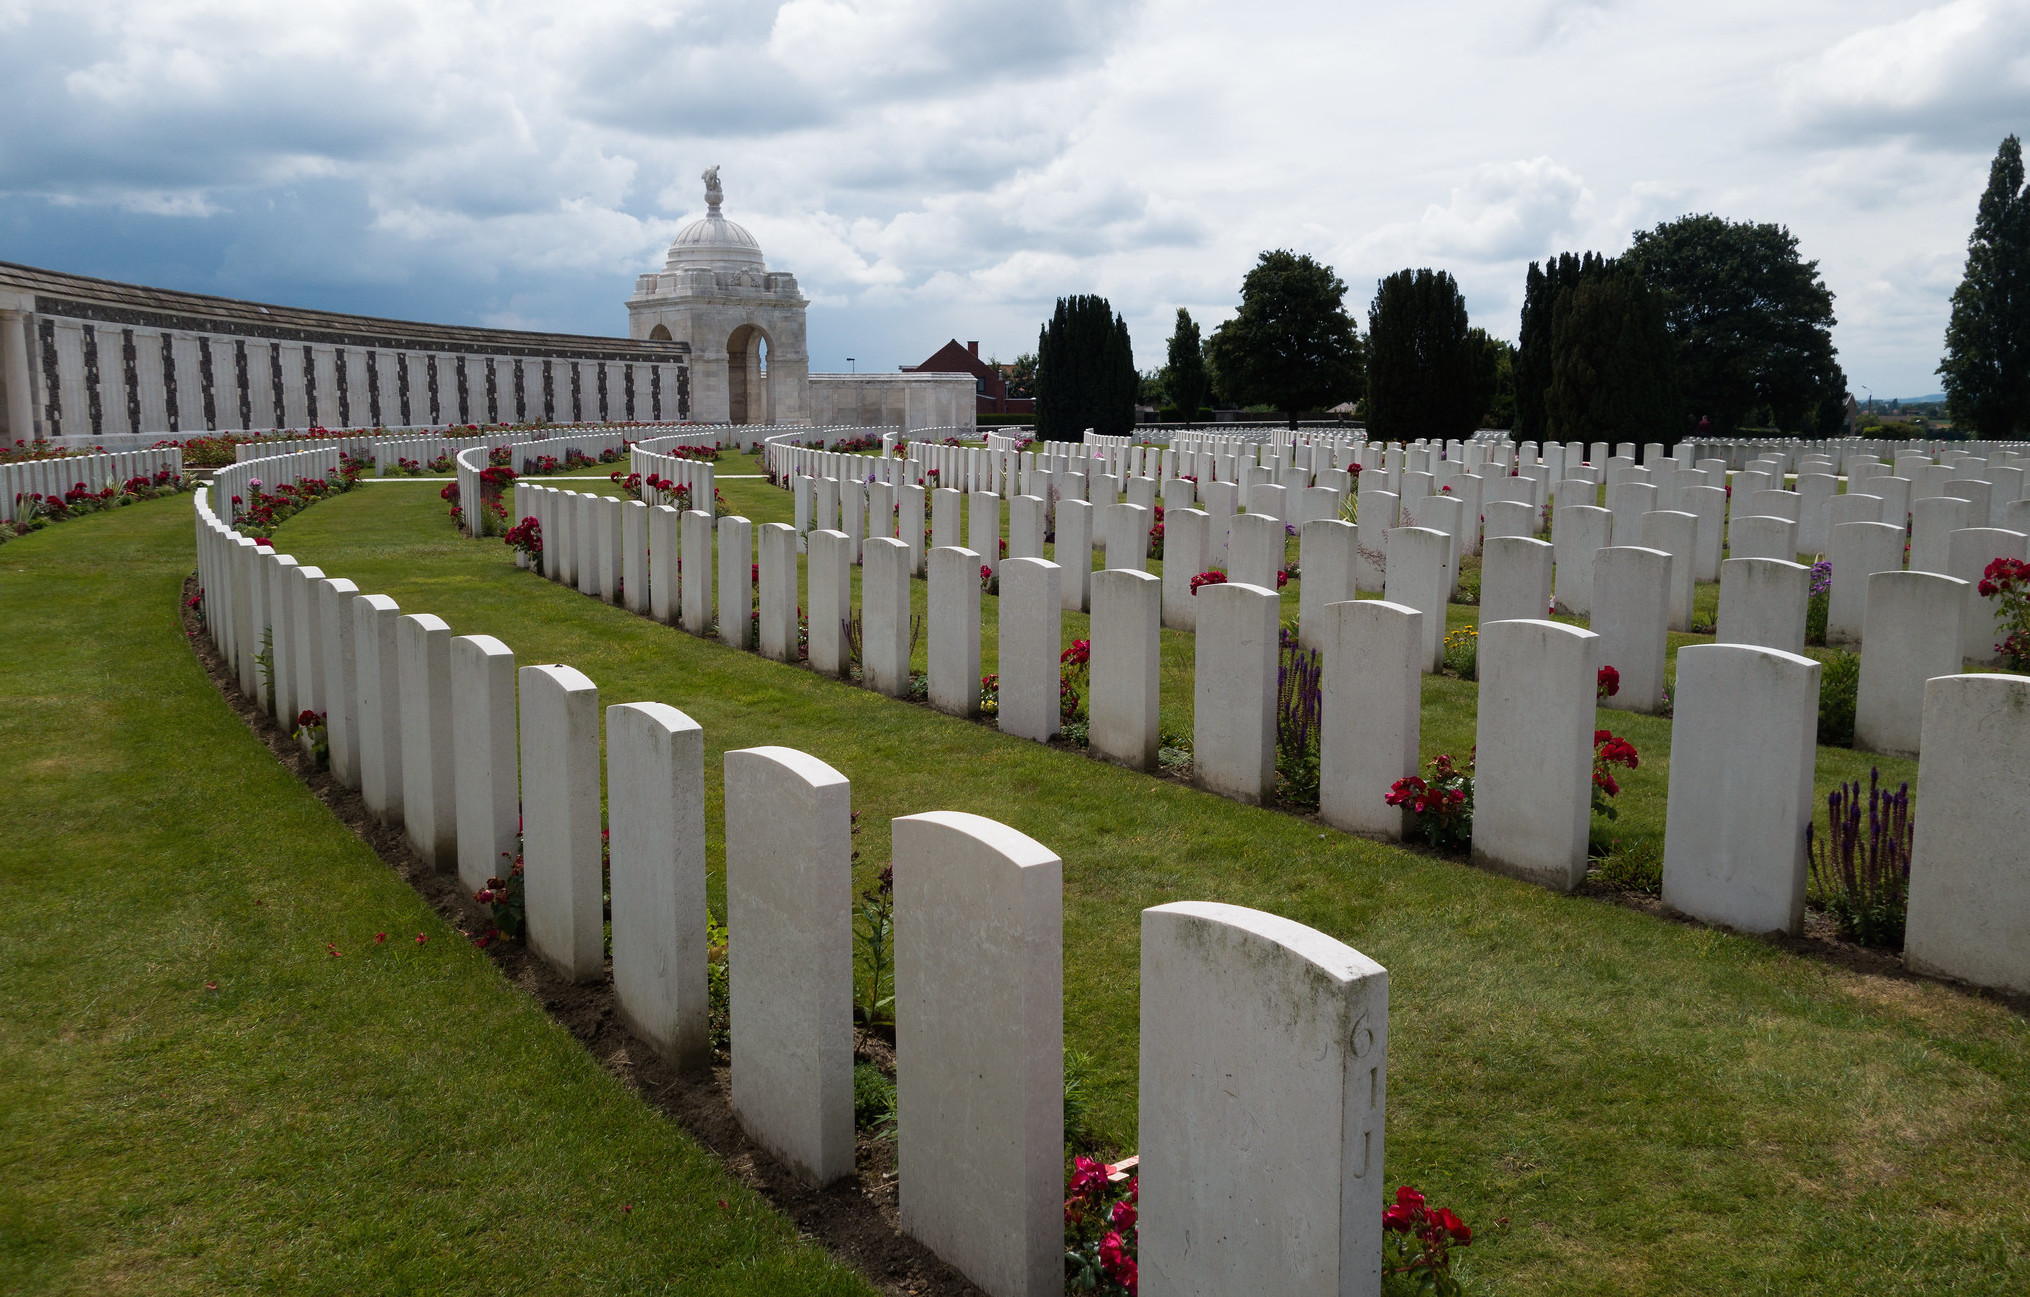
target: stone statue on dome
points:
(714, 195)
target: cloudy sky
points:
(940, 168)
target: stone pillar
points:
(1970, 868)
(1126, 668)
(1912, 635)
(379, 683)
(884, 617)
(1763, 603)
(1858, 550)
(1074, 552)
(21, 424)
(954, 610)
(1419, 571)
(736, 581)
(1234, 692)
(655, 776)
(341, 713)
(1631, 613)
(979, 1049)
(1370, 698)
(789, 908)
(1742, 754)
(1264, 1071)
(561, 871)
(486, 758)
(1533, 773)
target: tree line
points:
(1703, 324)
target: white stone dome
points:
(714, 243)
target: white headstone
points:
(1327, 550)
(979, 1049)
(1676, 534)
(1032, 634)
(1533, 772)
(1234, 692)
(1370, 696)
(884, 617)
(1074, 552)
(1578, 533)
(1763, 603)
(378, 681)
(1969, 552)
(831, 602)
(789, 905)
(655, 775)
(736, 582)
(561, 868)
(341, 717)
(486, 756)
(1184, 535)
(1857, 551)
(1743, 748)
(1762, 536)
(1420, 577)
(954, 611)
(778, 638)
(696, 593)
(1515, 579)
(1126, 667)
(1264, 1071)
(1631, 613)
(1969, 915)
(1912, 634)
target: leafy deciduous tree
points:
(1292, 347)
(1752, 321)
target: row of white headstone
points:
(1537, 690)
(1257, 1033)
(60, 475)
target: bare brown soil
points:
(856, 1220)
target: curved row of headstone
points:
(1264, 1043)
(22, 479)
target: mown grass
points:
(1655, 1107)
(392, 1119)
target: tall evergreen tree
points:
(1494, 380)
(1541, 291)
(1085, 371)
(1292, 346)
(1751, 319)
(1185, 378)
(1421, 360)
(1987, 343)
(1613, 374)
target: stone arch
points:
(748, 386)
(661, 333)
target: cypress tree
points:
(1987, 343)
(1185, 377)
(1085, 371)
(1613, 371)
(1541, 291)
(1422, 361)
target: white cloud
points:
(937, 168)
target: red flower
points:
(380, 938)
(420, 938)
(1608, 682)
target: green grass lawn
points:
(396, 1119)
(1656, 1107)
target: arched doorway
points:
(661, 333)
(747, 376)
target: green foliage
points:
(873, 1101)
(1839, 690)
(1751, 320)
(1613, 372)
(1542, 289)
(1987, 343)
(1080, 1080)
(1292, 347)
(718, 986)
(874, 933)
(1494, 375)
(1421, 360)
(1085, 372)
(1022, 375)
(1816, 609)
(1633, 866)
(1184, 377)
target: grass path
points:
(393, 1120)
(1656, 1107)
